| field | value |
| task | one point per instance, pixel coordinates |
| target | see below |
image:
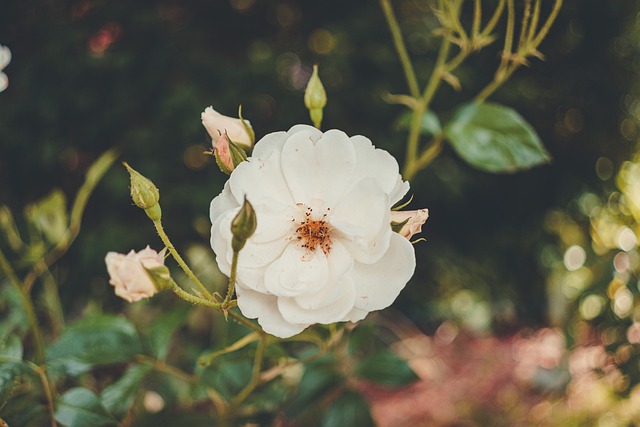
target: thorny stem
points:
(232, 280)
(179, 260)
(194, 299)
(398, 42)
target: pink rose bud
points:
(238, 130)
(408, 223)
(228, 154)
(130, 276)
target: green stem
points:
(178, 258)
(422, 106)
(547, 25)
(48, 393)
(493, 21)
(243, 321)
(255, 375)
(94, 175)
(232, 280)
(398, 42)
(524, 27)
(477, 18)
(194, 299)
(27, 305)
(430, 153)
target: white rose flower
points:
(323, 250)
(5, 58)
(128, 275)
(218, 124)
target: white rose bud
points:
(408, 223)
(238, 130)
(134, 275)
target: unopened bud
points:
(243, 226)
(315, 98)
(144, 193)
(228, 154)
(408, 223)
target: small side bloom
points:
(217, 124)
(128, 273)
(5, 58)
(409, 222)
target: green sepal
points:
(397, 226)
(248, 128)
(160, 277)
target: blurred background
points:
(554, 246)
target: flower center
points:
(314, 233)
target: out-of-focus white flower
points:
(323, 250)
(411, 221)
(218, 124)
(128, 273)
(5, 58)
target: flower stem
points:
(398, 42)
(195, 299)
(94, 175)
(232, 280)
(27, 305)
(255, 375)
(179, 260)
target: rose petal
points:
(265, 308)
(260, 179)
(318, 173)
(361, 220)
(298, 271)
(292, 311)
(378, 285)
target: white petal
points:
(356, 315)
(401, 188)
(5, 56)
(318, 173)
(260, 179)
(254, 254)
(375, 163)
(361, 221)
(292, 311)
(265, 309)
(340, 264)
(222, 203)
(4, 82)
(378, 285)
(298, 271)
(268, 144)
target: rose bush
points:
(323, 250)
(128, 273)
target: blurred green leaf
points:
(119, 396)
(95, 340)
(80, 407)
(494, 138)
(228, 375)
(50, 216)
(320, 378)
(163, 328)
(11, 347)
(386, 368)
(348, 409)
(429, 124)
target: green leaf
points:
(11, 347)
(80, 407)
(95, 340)
(429, 124)
(348, 409)
(163, 328)
(495, 138)
(49, 215)
(319, 379)
(119, 396)
(386, 368)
